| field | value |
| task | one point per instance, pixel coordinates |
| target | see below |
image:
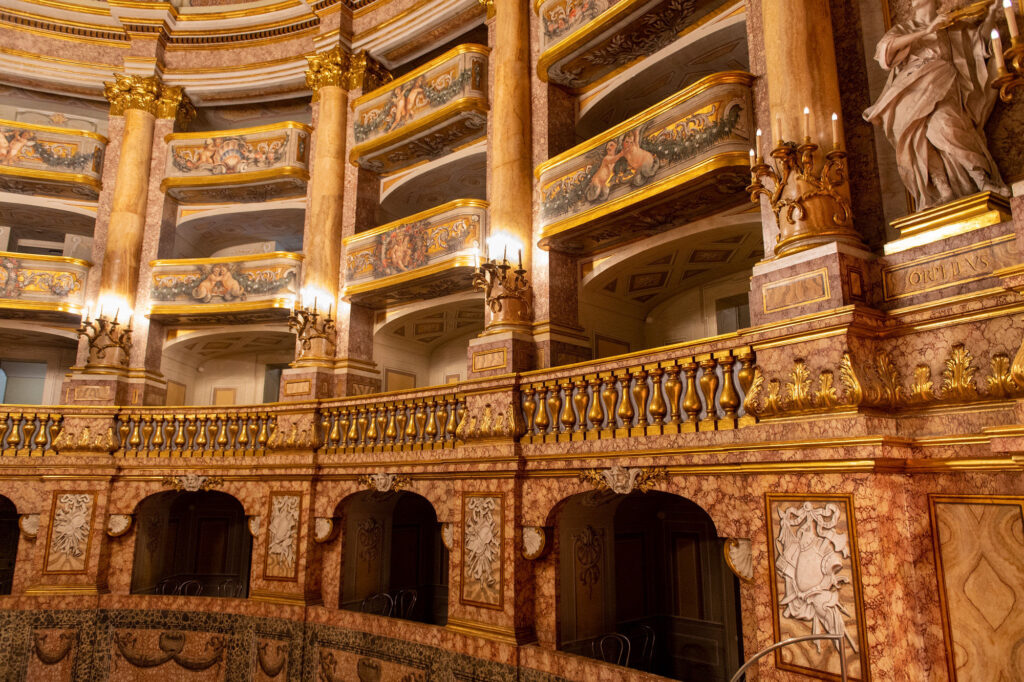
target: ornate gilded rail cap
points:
(53, 286)
(51, 161)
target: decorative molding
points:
(84, 434)
(272, 668)
(254, 525)
(488, 422)
(448, 535)
(326, 69)
(171, 644)
(118, 524)
(534, 542)
(324, 529)
(132, 92)
(384, 483)
(481, 550)
(739, 558)
(28, 524)
(192, 482)
(622, 480)
(52, 655)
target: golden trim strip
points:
(54, 307)
(72, 7)
(422, 215)
(231, 14)
(218, 308)
(56, 176)
(48, 259)
(691, 91)
(464, 104)
(235, 178)
(283, 125)
(420, 70)
(402, 278)
(227, 259)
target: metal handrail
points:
(793, 640)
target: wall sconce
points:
(104, 333)
(1008, 79)
(506, 290)
(309, 323)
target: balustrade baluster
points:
(28, 429)
(400, 419)
(567, 418)
(581, 401)
(554, 407)
(541, 421)
(420, 413)
(657, 409)
(362, 424)
(372, 433)
(431, 430)
(625, 412)
(254, 428)
(158, 432)
(529, 410)
(410, 429)
(53, 430)
(3, 430)
(729, 400)
(40, 441)
(170, 428)
(596, 412)
(745, 375)
(233, 434)
(392, 430)
(673, 389)
(691, 401)
(264, 433)
(191, 427)
(147, 432)
(201, 434)
(352, 436)
(335, 433)
(124, 427)
(609, 396)
(222, 434)
(14, 438)
(709, 386)
(453, 420)
(243, 431)
(179, 426)
(325, 428)
(641, 392)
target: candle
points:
(1011, 20)
(117, 313)
(131, 321)
(751, 158)
(997, 50)
(835, 130)
(101, 311)
(314, 304)
(807, 123)
(778, 129)
(85, 314)
(520, 259)
(504, 254)
(758, 145)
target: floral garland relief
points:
(16, 281)
(481, 579)
(222, 282)
(409, 99)
(230, 154)
(19, 146)
(69, 533)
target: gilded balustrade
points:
(430, 111)
(28, 431)
(239, 165)
(42, 283)
(238, 432)
(52, 161)
(631, 396)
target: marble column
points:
(127, 373)
(506, 343)
(820, 260)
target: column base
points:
(822, 278)
(497, 353)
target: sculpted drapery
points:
(935, 104)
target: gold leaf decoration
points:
(826, 397)
(887, 391)
(751, 400)
(851, 384)
(958, 382)
(1000, 383)
(921, 390)
(798, 391)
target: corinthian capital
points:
(366, 72)
(132, 92)
(174, 103)
(327, 68)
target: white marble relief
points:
(482, 550)
(534, 540)
(448, 535)
(29, 525)
(69, 533)
(118, 524)
(739, 558)
(283, 536)
(254, 526)
(323, 529)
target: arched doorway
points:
(394, 561)
(644, 584)
(8, 543)
(192, 544)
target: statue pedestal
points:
(949, 220)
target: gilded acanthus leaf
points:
(773, 403)
(1000, 383)
(854, 393)
(887, 392)
(826, 397)
(750, 401)
(798, 390)
(958, 382)
(921, 390)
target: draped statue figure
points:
(936, 101)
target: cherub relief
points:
(600, 182)
(218, 280)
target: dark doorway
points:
(9, 533)
(192, 544)
(644, 584)
(394, 562)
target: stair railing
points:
(794, 640)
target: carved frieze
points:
(622, 480)
(170, 647)
(481, 550)
(383, 483)
(90, 434)
(192, 482)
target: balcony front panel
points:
(53, 284)
(681, 160)
(423, 256)
(431, 111)
(232, 290)
(585, 41)
(244, 165)
(50, 161)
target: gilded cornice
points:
(132, 92)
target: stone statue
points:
(935, 104)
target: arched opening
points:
(644, 584)
(8, 543)
(394, 561)
(192, 544)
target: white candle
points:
(117, 313)
(85, 314)
(1011, 19)
(835, 130)
(807, 123)
(997, 50)
(751, 158)
(758, 145)
(778, 128)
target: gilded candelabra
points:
(506, 289)
(1010, 68)
(104, 334)
(309, 324)
(798, 192)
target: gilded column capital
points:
(132, 92)
(326, 69)
(366, 72)
(174, 103)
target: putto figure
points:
(935, 104)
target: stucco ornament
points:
(809, 558)
(482, 542)
(29, 525)
(118, 524)
(254, 526)
(323, 529)
(383, 483)
(622, 480)
(739, 558)
(282, 535)
(192, 482)
(69, 537)
(448, 535)
(935, 104)
(534, 541)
